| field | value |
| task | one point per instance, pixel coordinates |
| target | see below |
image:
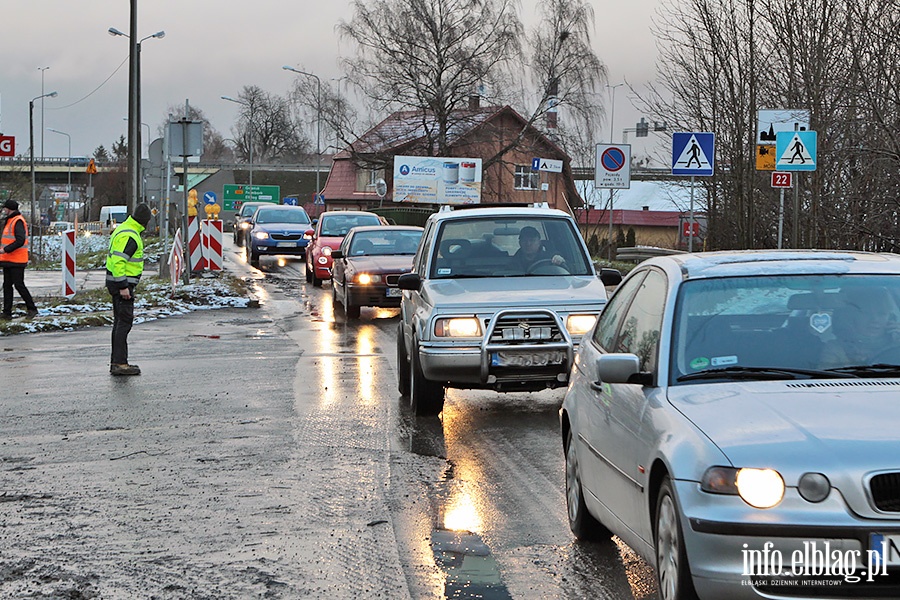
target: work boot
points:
(31, 313)
(125, 369)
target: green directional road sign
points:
(233, 196)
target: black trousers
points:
(123, 318)
(15, 277)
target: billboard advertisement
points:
(437, 180)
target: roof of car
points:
(512, 211)
(329, 213)
(387, 227)
(780, 262)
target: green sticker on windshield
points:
(700, 363)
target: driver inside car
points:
(531, 251)
(865, 327)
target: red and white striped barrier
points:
(212, 244)
(176, 260)
(195, 245)
(68, 264)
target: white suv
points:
(498, 299)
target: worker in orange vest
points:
(13, 258)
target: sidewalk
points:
(48, 284)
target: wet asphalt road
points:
(265, 453)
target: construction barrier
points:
(195, 245)
(68, 263)
(212, 244)
(176, 260)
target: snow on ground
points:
(155, 298)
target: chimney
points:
(474, 102)
(645, 208)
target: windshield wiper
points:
(764, 373)
(876, 370)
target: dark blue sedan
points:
(277, 230)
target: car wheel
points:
(334, 299)
(352, 310)
(308, 270)
(254, 259)
(672, 569)
(426, 397)
(402, 364)
(581, 522)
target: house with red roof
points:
(498, 135)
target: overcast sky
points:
(213, 48)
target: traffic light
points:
(642, 128)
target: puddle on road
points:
(469, 566)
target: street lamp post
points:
(612, 125)
(134, 106)
(42, 69)
(31, 146)
(69, 163)
(318, 119)
(249, 105)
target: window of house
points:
(366, 178)
(526, 179)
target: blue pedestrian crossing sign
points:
(795, 150)
(319, 200)
(693, 153)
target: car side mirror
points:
(410, 281)
(610, 277)
(617, 368)
(336, 254)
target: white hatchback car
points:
(734, 418)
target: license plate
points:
(527, 359)
(394, 292)
(286, 244)
(887, 546)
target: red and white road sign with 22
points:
(782, 179)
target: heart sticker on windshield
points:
(821, 322)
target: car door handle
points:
(597, 386)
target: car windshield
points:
(384, 242)
(248, 210)
(732, 327)
(296, 216)
(509, 247)
(339, 225)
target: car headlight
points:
(457, 327)
(261, 235)
(366, 278)
(326, 251)
(580, 324)
(760, 488)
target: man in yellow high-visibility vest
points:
(124, 266)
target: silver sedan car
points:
(734, 418)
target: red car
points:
(329, 232)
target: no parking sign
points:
(613, 166)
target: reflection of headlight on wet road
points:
(461, 515)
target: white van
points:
(110, 216)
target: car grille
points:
(886, 491)
(287, 237)
(526, 329)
